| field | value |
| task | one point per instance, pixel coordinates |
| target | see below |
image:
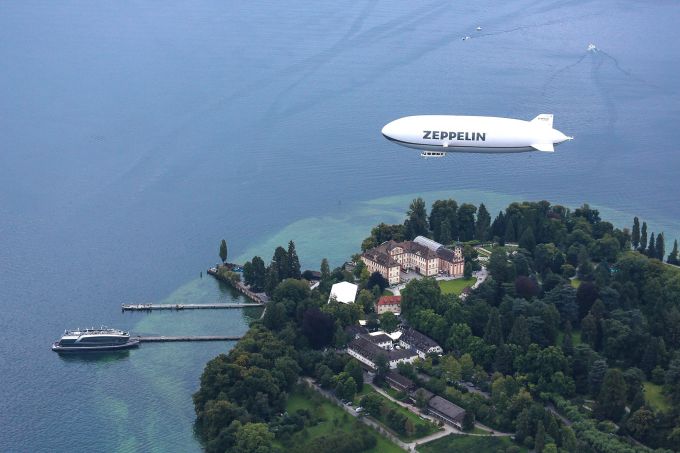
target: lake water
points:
(134, 136)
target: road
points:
(446, 429)
(365, 420)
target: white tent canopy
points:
(344, 292)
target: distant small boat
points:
(94, 340)
(592, 47)
(478, 28)
(465, 38)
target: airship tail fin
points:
(545, 147)
(544, 119)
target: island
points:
(547, 329)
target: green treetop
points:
(673, 257)
(223, 251)
(660, 247)
(483, 224)
(416, 221)
(293, 261)
(635, 235)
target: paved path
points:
(481, 276)
(447, 429)
(551, 408)
(365, 420)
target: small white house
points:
(344, 292)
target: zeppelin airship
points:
(437, 135)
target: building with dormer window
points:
(422, 255)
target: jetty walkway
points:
(259, 298)
(151, 307)
(161, 339)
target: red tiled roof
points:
(389, 300)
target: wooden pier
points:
(161, 339)
(151, 307)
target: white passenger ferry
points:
(102, 339)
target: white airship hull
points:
(461, 149)
(474, 134)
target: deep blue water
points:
(135, 135)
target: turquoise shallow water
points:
(134, 136)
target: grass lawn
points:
(456, 286)
(575, 282)
(387, 292)
(366, 389)
(478, 430)
(655, 398)
(415, 419)
(483, 253)
(334, 418)
(397, 395)
(467, 444)
(575, 337)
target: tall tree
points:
(510, 233)
(673, 257)
(611, 402)
(355, 370)
(640, 423)
(569, 442)
(527, 241)
(503, 360)
(635, 235)
(271, 279)
(498, 227)
(468, 421)
(493, 333)
(467, 270)
(596, 376)
(660, 246)
(466, 221)
(498, 265)
(280, 262)
(519, 334)
(223, 251)
(248, 273)
(539, 440)
(651, 249)
(382, 233)
(293, 261)
(523, 425)
(416, 219)
(254, 437)
(672, 386)
(259, 272)
(444, 211)
(643, 237)
(445, 233)
(602, 274)
(382, 365)
(325, 269)
(483, 225)
(654, 355)
(567, 341)
(586, 295)
(590, 330)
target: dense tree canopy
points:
(529, 335)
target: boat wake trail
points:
(623, 71)
(561, 71)
(596, 74)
